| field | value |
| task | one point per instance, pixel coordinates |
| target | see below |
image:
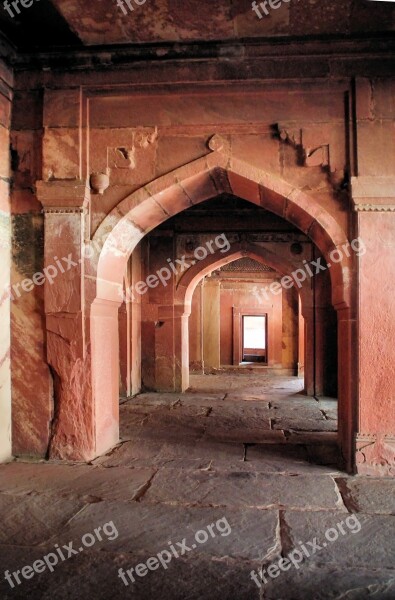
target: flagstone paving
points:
(228, 479)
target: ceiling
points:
(51, 24)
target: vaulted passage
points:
(199, 251)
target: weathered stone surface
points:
(303, 424)
(228, 430)
(371, 545)
(146, 530)
(244, 490)
(95, 574)
(286, 458)
(368, 495)
(79, 481)
(162, 21)
(171, 452)
(238, 423)
(34, 519)
(329, 582)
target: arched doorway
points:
(116, 239)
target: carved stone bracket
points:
(316, 156)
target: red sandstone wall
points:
(167, 130)
(374, 197)
(32, 387)
(6, 83)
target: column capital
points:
(373, 194)
(64, 197)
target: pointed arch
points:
(201, 180)
(191, 278)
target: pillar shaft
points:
(211, 325)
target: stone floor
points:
(234, 475)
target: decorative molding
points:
(245, 265)
(65, 210)
(373, 193)
(374, 207)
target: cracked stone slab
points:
(151, 399)
(170, 399)
(371, 545)
(368, 495)
(304, 424)
(167, 433)
(79, 481)
(296, 407)
(330, 582)
(184, 423)
(262, 400)
(182, 453)
(95, 575)
(239, 423)
(242, 412)
(244, 489)
(133, 420)
(286, 458)
(247, 534)
(31, 520)
(232, 432)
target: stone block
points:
(240, 489)
(61, 156)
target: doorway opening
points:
(254, 336)
(169, 326)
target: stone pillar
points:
(308, 315)
(301, 342)
(211, 324)
(135, 348)
(135, 323)
(195, 327)
(165, 350)
(159, 319)
(85, 423)
(348, 382)
(374, 203)
(124, 349)
(181, 348)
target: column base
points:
(375, 454)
